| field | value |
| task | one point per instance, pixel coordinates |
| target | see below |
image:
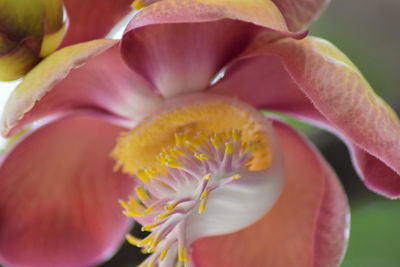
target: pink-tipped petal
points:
(313, 80)
(300, 13)
(307, 227)
(59, 196)
(89, 75)
(93, 19)
(376, 173)
(179, 45)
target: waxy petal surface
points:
(313, 80)
(59, 195)
(300, 13)
(93, 19)
(307, 226)
(89, 75)
(180, 45)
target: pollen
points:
(186, 184)
(182, 156)
(136, 150)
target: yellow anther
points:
(146, 250)
(203, 201)
(150, 226)
(134, 204)
(149, 210)
(207, 177)
(183, 254)
(123, 204)
(229, 148)
(151, 172)
(172, 205)
(164, 253)
(202, 206)
(141, 193)
(204, 194)
(147, 240)
(133, 240)
(131, 213)
(236, 176)
(132, 208)
(153, 245)
(164, 215)
(215, 141)
(173, 164)
(201, 156)
(143, 176)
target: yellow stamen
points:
(183, 254)
(203, 201)
(192, 121)
(229, 148)
(201, 156)
(141, 193)
(172, 205)
(215, 141)
(150, 226)
(164, 253)
(133, 240)
(173, 164)
(236, 177)
(207, 177)
(164, 215)
(143, 176)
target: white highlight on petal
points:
(239, 204)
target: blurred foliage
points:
(374, 238)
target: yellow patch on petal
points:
(139, 148)
(51, 41)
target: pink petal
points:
(300, 13)
(179, 45)
(85, 76)
(93, 19)
(307, 227)
(313, 80)
(59, 196)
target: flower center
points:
(208, 177)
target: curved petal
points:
(179, 45)
(93, 19)
(307, 227)
(59, 196)
(300, 13)
(311, 79)
(89, 75)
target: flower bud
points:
(29, 31)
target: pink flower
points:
(194, 71)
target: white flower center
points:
(204, 187)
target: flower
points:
(32, 30)
(179, 60)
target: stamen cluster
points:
(189, 172)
